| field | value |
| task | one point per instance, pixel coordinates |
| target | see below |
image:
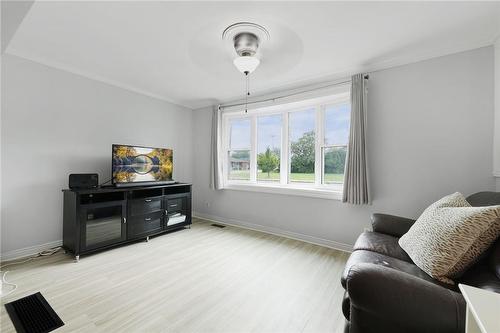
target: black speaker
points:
(83, 180)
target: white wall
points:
(13, 13)
(55, 123)
(430, 133)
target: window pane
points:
(337, 119)
(334, 164)
(240, 134)
(302, 144)
(268, 148)
(239, 165)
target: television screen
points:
(134, 164)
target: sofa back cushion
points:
(494, 259)
(481, 199)
(450, 235)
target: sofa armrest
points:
(390, 224)
(405, 301)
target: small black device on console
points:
(83, 180)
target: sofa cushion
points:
(364, 256)
(450, 235)
(346, 305)
(494, 259)
(484, 199)
(481, 276)
(381, 243)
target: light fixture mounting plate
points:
(245, 27)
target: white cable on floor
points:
(14, 286)
(5, 282)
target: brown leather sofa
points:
(386, 292)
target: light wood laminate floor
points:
(203, 279)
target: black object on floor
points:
(32, 314)
(218, 225)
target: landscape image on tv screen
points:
(139, 164)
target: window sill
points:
(312, 192)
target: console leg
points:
(77, 258)
(147, 238)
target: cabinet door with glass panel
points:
(102, 224)
(177, 209)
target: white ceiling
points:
(174, 51)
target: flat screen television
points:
(138, 166)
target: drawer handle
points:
(173, 205)
(147, 219)
(148, 200)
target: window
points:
(239, 150)
(269, 130)
(301, 145)
(334, 148)
(302, 139)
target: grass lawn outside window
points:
(294, 177)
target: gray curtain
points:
(215, 165)
(356, 187)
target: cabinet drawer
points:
(145, 206)
(175, 204)
(144, 225)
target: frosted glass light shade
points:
(246, 63)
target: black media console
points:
(96, 219)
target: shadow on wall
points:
(99, 165)
(13, 13)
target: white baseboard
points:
(31, 250)
(28, 251)
(276, 231)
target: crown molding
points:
(92, 76)
(298, 84)
(368, 68)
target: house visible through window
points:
(239, 149)
(296, 145)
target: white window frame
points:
(316, 189)
(322, 144)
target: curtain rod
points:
(272, 99)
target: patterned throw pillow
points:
(450, 235)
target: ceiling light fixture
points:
(246, 45)
(246, 38)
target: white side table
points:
(483, 310)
